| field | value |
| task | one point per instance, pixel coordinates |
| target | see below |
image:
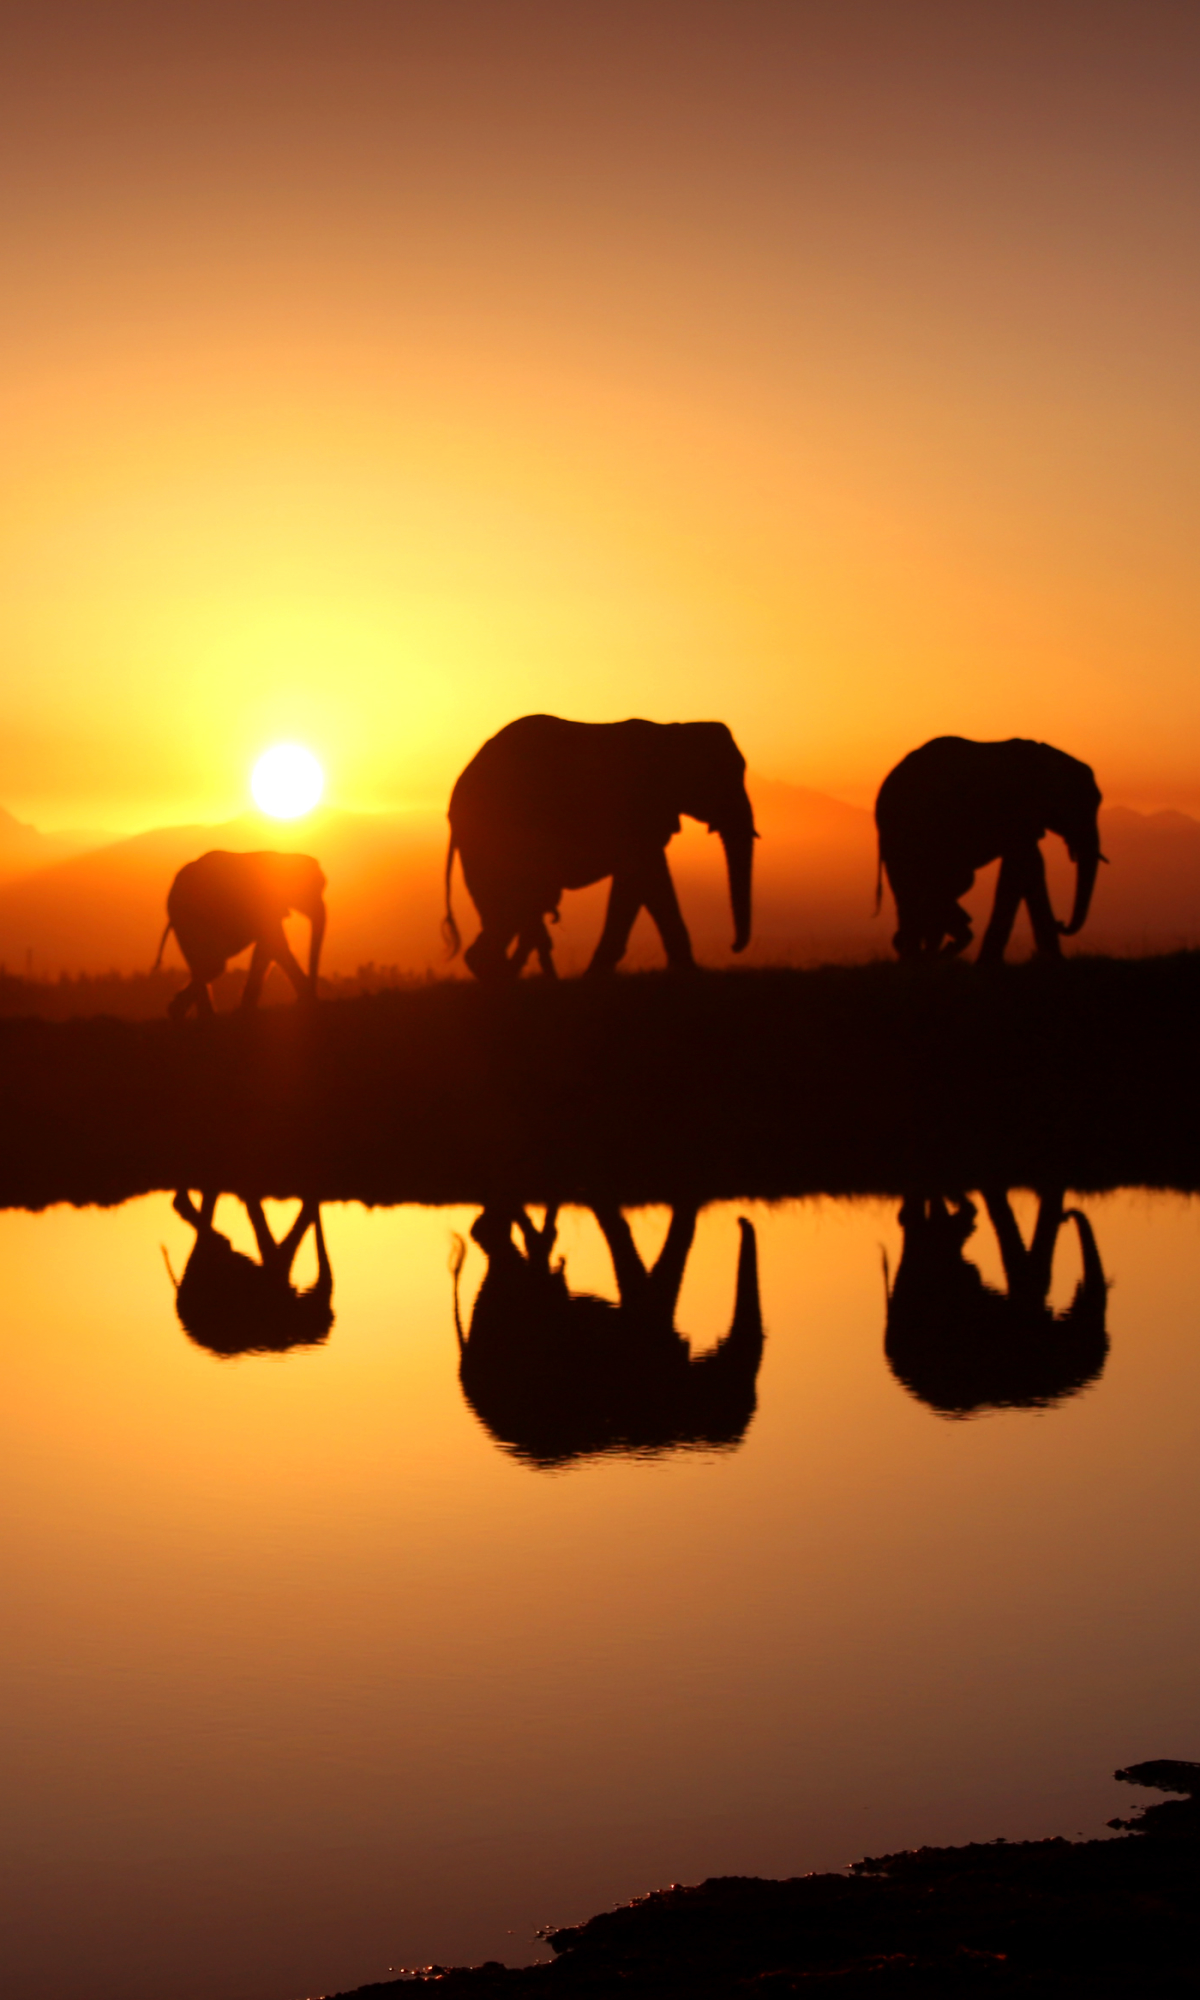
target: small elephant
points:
(953, 806)
(558, 1375)
(223, 902)
(231, 1305)
(548, 805)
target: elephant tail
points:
(449, 927)
(162, 945)
(879, 876)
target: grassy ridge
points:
(870, 1078)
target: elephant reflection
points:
(232, 1305)
(962, 1346)
(557, 1375)
(223, 902)
(953, 806)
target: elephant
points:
(223, 902)
(961, 1346)
(954, 805)
(231, 1305)
(548, 805)
(557, 1375)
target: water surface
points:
(307, 1675)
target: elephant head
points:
(1071, 804)
(708, 779)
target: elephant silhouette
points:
(961, 1346)
(223, 902)
(952, 807)
(230, 1304)
(548, 805)
(557, 1375)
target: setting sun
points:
(287, 781)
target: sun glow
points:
(287, 781)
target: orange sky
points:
(373, 373)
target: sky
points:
(372, 374)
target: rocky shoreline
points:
(1024, 1917)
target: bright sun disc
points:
(287, 781)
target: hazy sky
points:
(374, 373)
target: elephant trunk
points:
(746, 1329)
(1087, 861)
(738, 842)
(317, 919)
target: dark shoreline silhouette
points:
(872, 1079)
(1045, 1917)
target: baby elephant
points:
(223, 902)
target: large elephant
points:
(953, 806)
(557, 1375)
(231, 1305)
(962, 1346)
(223, 902)
(548, 805)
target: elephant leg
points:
(267, 1246)
(308, 1218)
(628, 1268)
(1045, 1240)
(195, 994)
(1013, 1254)
(257, 973)
(624, 901)
(1010, 892)
(534, 937)
(663, 904)
(666, 1276)
(1037, 900)
(959, 925)
(912, 935)
(488, 957)
(285, 957)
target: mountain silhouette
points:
(24, 851)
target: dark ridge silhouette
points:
(1169, 1819)
(557, 1375)
(1073, 1919)
(952, 807)
(960, 1345)
(231, 1305)
(868, 1079)
(548, 805)
(221, 904)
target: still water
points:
(308, 1675)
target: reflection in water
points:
(304, 1678)
(232, 1305)
(557, 1375)
(962, 1346)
